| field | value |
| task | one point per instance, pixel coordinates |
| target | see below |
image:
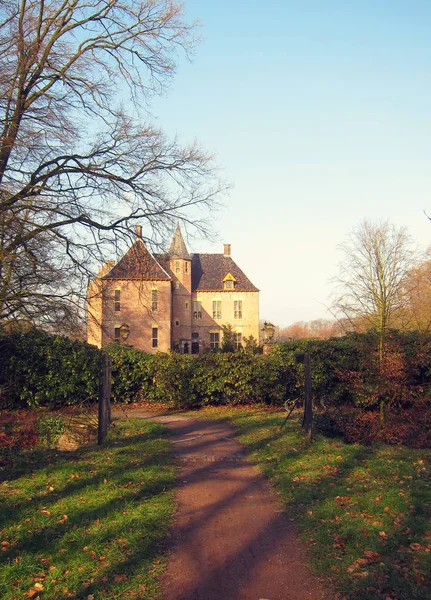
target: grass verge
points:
(364, 512)
(87, 524)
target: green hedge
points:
(38, 369)
(191, 381)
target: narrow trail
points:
(231, 539)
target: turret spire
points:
(178, 248)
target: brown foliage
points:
(410, 427)
(318, 329)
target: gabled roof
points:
(178, 248)
(210, 270)
(137, 263)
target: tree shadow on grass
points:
(100, 527)
(366, 499)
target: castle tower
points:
(180, 264)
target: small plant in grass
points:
(50, 429)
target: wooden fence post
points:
(104, 397)
(307, 422)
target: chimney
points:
(138, 230)
(226, 250)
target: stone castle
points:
(171, 301)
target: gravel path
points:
(231, 539)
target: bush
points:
(38, 369)
(49, 430)
(132, 374)
(186, 381)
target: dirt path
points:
(231, 539)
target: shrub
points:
(49, 430)
(38, 369)
(132, 374)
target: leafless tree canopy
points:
(371, 279)
(78, 165)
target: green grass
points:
(87, 524)
(363, 512)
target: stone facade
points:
(173, 301)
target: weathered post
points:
(307, 422)
(104, 397)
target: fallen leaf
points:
(352, 568)
(415, 546)
(118, 578)
(374, 556)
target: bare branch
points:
(76, 171)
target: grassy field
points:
(364, 512)
(87, 524)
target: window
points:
(195, 335)
(237, 309)
(117, 334)
(215, 340)
(229, 282)
(117, 300)
(187, 305)
(177, 323)
(237, 341)
(197, 310)
(186, 267)
(216, 309)
(177, 266)
(155, 337)
(154, 300)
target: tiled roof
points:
(137, 263)
(178, 248)
(209, 271)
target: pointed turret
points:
(178, 248)
(180, 264)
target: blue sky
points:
(319, 113)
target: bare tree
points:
(417, 311)
(372, 276)
(78, 164)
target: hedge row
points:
(192, 381)
(37, 369)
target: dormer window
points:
(229, 282)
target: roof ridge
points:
(131, 264)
